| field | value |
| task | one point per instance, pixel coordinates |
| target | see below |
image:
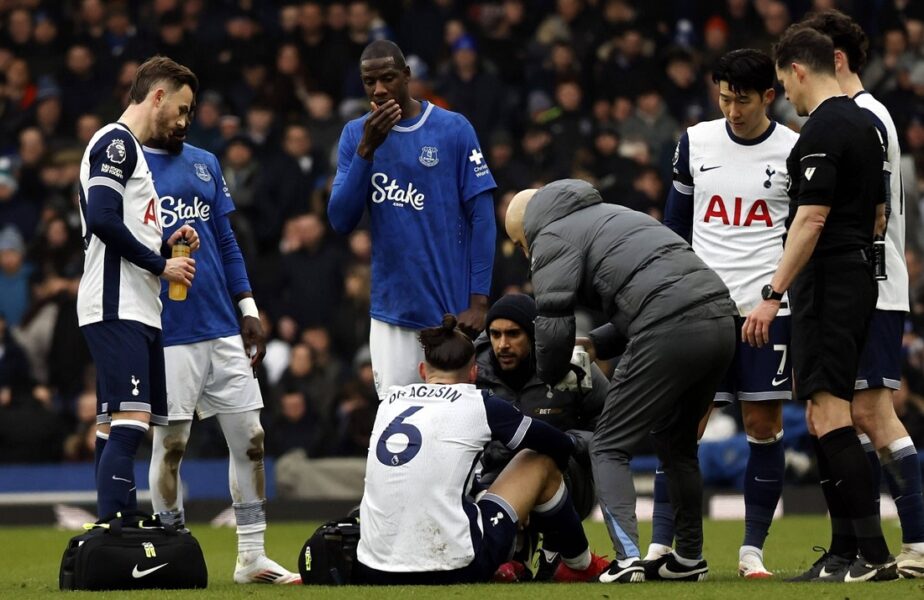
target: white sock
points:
(687, 562)
(627, 561)
(656, 551)
(578, 563)
(750, 550)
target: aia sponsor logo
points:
(737, 214)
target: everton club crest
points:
(202, 172)
(428, 157)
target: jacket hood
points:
(556, 200)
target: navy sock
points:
(662, 519)
(116, 474)
(850, 470)
(98, 454)
(560, 525)
(763, 486)
(843, 540)
(874, 465)
(903, 476)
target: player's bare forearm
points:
(882, 220)
(801, 240)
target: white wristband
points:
(248, 308)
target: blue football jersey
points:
(423, 176)
(192, 191)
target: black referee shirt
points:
(837, 162)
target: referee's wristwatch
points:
(768, 293)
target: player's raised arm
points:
(351, 185)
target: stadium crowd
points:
(593, 89)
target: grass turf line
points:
(30, 558)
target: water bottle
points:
(177, 291)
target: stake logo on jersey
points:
(421, 180)
(739, 211)
(177, 210)
(398, 195)
(112, 287)
(192, 192)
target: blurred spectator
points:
(248, 87)
(17, 212)
(356, 409)
(87, 125)
(306, 249)
(82, 86)
(31, 154)
(652, 124)
(204, 131)
(294, 427)
(31, 431)
(471, 90)
(49, 113)
(14, 366)
(350, 327)
(289, 179)
(626, 71)
(881, 71)
(80, 445)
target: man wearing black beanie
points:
(504, 354)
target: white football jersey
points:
(893, 291)
(416, 513)
(740, 203)
(112, 287)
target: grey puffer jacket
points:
(630, 266)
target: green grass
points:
(30, 556)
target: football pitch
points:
(30, 558)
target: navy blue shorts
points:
(494, 544)
(881, 360)
(129, 359)
(759, 373)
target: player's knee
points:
(761, 430)
(864, 416)
(174, 449)
(255, 443)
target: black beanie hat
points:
(519, 308)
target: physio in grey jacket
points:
(507, 369)
(670, 318)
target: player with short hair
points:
(420, 172)
(210, 357)
(118, 304)
(883, 436)
(837, 206)
(729, 200)
(419, 521)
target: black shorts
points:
(881, 361)
(832, 302)
(129, 359)
(497, 525)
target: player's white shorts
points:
(210, 377)
(396, 353)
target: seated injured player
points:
(420, 521)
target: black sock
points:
(850, 470)
(843, 540)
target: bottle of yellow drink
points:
(177, 291)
